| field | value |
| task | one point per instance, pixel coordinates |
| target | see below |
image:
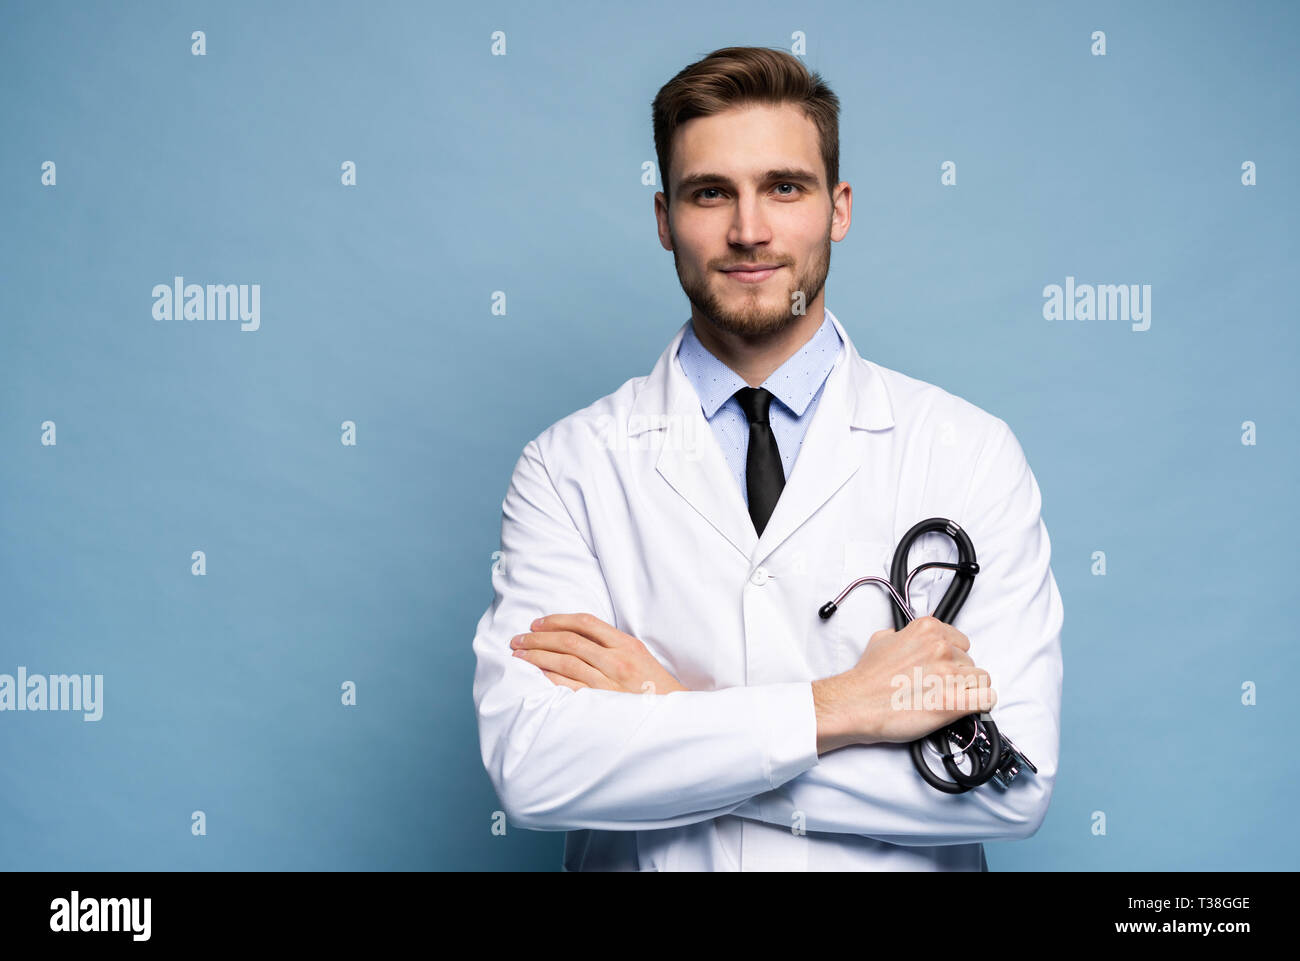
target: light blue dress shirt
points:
(796, 386)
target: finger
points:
(569, 666)
(588, 625)
(957, 638)
(971, 677)
(971, 700)
(563, 681)
(975, 693)
(564, 642)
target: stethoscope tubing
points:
(970, 727)
(947, 609)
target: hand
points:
(907, 684)
(581, 650)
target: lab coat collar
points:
(854, 402)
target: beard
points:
(757, 312)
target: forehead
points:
(745, 141)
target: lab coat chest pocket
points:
(837, 644)
(928, 587)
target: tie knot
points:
(755, 402)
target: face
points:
(749, 188)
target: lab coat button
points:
(759, 577)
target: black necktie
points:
(764, 476)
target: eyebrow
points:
(794, 174)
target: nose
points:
(749, 226)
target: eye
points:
(699, 194)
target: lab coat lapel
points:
(689, 458)
(853, 403)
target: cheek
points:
(693, 261)
(810, 257)
(694, 234)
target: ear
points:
(661, 219)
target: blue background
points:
(522, 173)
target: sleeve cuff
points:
(790, 722)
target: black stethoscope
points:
(992, 754)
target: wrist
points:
(837, 723)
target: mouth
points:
(752, 275)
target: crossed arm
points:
(581, 728)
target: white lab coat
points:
(626, 509)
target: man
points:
(652, 675)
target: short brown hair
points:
(736, 76)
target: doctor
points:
(652, 675)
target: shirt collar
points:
(794, 383)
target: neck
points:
(752, 359)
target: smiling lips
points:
(752, 274)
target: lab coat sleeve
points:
(1013, 617)
(565, 760)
